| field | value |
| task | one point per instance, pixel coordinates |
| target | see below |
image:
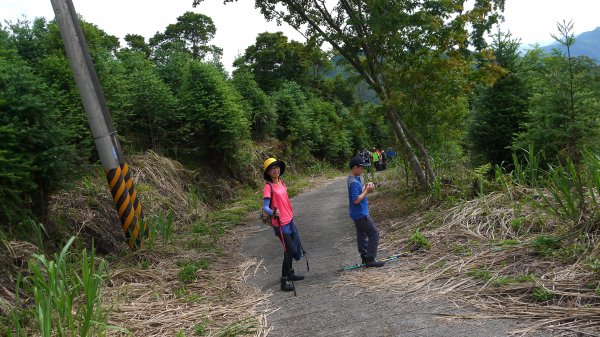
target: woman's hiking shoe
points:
(286, 285)
(293, 277)
(370, 262)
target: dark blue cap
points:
(356, 161)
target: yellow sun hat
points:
(271, 162)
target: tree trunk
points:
(422, 150)
(414, 161)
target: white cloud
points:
(534, 20)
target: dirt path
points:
(323, 306)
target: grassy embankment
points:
(519, 245)
(187, 281)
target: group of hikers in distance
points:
(276, 203)
(376, 157)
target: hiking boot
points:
(286, 285)
(293, 277)
(363, 259)
(372, 263)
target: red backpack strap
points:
(271, 201)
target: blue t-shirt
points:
(355, 188)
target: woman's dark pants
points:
(288, 255)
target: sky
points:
(239, 23)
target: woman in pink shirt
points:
(277, 204)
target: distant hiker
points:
(390, 153)
(376, 156)
(277, 204)
(367, 155)
(383, 160)
(367, 235)
(364, 155)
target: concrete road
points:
(323, 309)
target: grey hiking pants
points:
(367, 236)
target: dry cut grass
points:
(153, 298)
(154, 302)
(144, 292)
(484, 255)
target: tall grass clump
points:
(436, 189)
(162, 225)
(570, 190)
(526, 168)
(39, 232)
(574, 192)
(66, 295)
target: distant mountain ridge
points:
(586, 44)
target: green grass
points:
(66, 293)
(432, 219)
(189, 269)
(517, 224)
(200, 329)
(187, 274)
(144, 264)
(500, 281)
(228, 215)
(545, 244)
(161, 224)
(480, 274)
(593, 264)
(506, 280)
(201, 228)
(419, 240)
(205, 244)
(572, 252)
(200, 264)
(542, 294)
(193, 298)
(181, 292)
(39, 232)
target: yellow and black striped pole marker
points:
(105, 136)
(137, 205)
(127, 214)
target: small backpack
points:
(264, 216)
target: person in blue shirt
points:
(367, 235)
(390, 153)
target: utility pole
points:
(105, 137)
